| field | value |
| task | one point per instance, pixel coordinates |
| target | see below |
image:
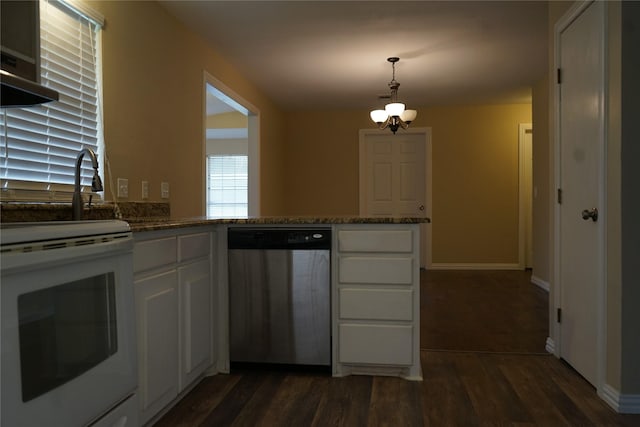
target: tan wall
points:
(475, 174)
(273, 167)
(153, 71)
(475, 183)
(322, 162)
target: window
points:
(39, 145)
(227, 186)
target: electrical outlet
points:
(164, 190)
(123, 187)
(145, 189)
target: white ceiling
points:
(332, 54)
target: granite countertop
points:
(36, 212)
(151, 216)
(145, 225)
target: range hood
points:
(19, 92)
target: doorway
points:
(395, 178)
(231, 153)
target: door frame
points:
(426, 255)
(524, 206)
(555, 346)
(229, 96)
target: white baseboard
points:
(550, 346)
(474, 266)
(621, 403)
(540, 283)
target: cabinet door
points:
(383, 270)
(154, 254)
(376, 344)
(376, 304)
(157, 326)
(196, 320)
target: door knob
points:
(421, 207)
(590, 213)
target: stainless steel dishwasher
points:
(279, 295)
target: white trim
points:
(562, 24)
(540, 283)
(550, 346)
(621, 403)
(474, 266)
(425, 229)
(83, 9)
(219, 89)
(522, 202)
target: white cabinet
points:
(376, 297)
(377, 344)
(174, 287)
(376, 304)
(196, 320)
(157, 327)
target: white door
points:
(395, 178)
(394, 174)
(581, 140)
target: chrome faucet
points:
(96, 183)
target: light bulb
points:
(408, 116)
(379, 116)
(394, 108)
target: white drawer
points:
(371, 270)
(152, 254)
(193, 246)
(375, 241)
(374, 304)
(376, 344)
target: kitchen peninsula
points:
(182, 294)
(181, 287)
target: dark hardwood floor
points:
(483, 361)
(494, 311)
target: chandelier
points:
(394, 114)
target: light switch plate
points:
(164, 190)
(145, 189)
(123, 187)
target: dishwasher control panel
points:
(279, 238)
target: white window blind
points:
(39, 145)
(227, 185)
